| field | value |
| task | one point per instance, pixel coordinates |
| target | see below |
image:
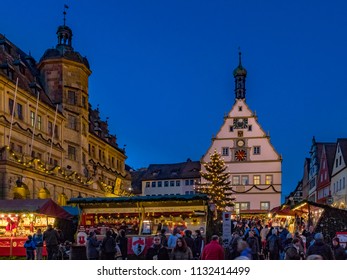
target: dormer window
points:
(174, 172)
(7, 48)
(8, 69)
(22, 69)
(21, 66)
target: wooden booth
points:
(142, 216)
(326, 219)
(21, 217)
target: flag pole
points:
(13, 109)
(35, 120)
(55, 119)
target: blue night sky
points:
(162, 70)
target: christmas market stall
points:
(326, 219)
(21, 217)
(141, 216)
(283, 216)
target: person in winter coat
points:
(157, 251)
(213, 250)
(189, 239)
(38, 239)
(339, 251)
(233, 252)
(273, 245)
(309, 236)
(319, 247)
(292, 251)
(244, 250)
(51, 237)
(108, 246)
(171, 243)
(93, 246)
(181, 251)
(198, 245)
(123, 244)
(253, 244)
(163, 237)
(263, 234)
(30, 247)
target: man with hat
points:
(319, 247)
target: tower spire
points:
(240, 74)
(64, 13)
(240, 54)
(64, 35)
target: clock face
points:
(240, 143)
(240, 123)
(240, 155)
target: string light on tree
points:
(217, 185)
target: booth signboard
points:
(343, 238)
(226, 228)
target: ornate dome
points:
(240, 70)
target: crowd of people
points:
(56, 245)
(250, 240)
(254, 240)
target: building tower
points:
(53, 144)
(254, 165)
(64, 74)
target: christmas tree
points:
(216, 184)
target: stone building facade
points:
(52, 143)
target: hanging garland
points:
(256, 187)
(66, 174)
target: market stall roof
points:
(73, 210)
(282, 210)
(303, 206)
(91, 200)
(41, 206)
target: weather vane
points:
(65, 8)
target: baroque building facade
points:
(254, 165)
(53, 144)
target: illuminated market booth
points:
(21, 217)
(142, 216)
(326, 219)
(329, 220)
(283, 216)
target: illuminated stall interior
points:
(324, 218)
(284, 216)
(24, 217)
(143, 215)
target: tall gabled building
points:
(338, 184)
(53, 144)
(324, 173)
(255, 166)
(316, 153)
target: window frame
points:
(256, 180)
(71, 97)
(71, 153)
(264, 202)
